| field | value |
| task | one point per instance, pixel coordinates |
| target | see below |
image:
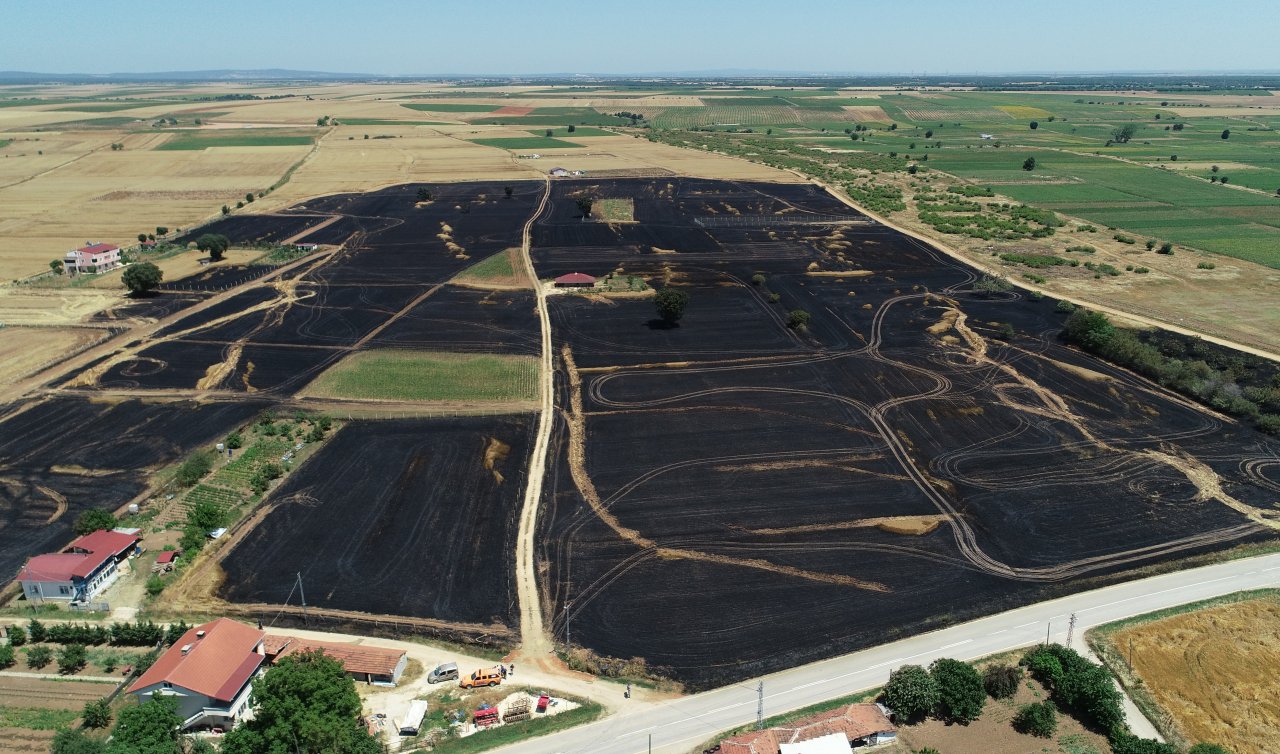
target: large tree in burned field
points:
(141, 278)
(216, 245)
(671, 303)
(584, 206)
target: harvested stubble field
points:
(894, 467)
(407, 517)
(1210, 671)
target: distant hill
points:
(265, 74)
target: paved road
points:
(681, 724)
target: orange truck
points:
(483, 677)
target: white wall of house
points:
(49, 590)
(191, 704)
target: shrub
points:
(38, 657)
(1122, 238)
(155, 585)
(6, 656)
(72, 658)
(1040, 720)
(235, 441)
(1208, 749)
(194, 468)
(37, 631)
(989, 284)
(94, 519)
(757, 279)
(1127, 743)
(1166, 248)
(17, 636)
(1001, 681)
(1206, 266)
(1141, 270)
(97, 714)
(961, 695)
(911, 692)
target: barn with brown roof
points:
(363, 663)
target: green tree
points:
(1029, 163)
(71, 658)
(549, 133)
(56, 265)
(1127, 743)
(76, 741)
(194, 468)
(1035, 125)
(37, 631)
(142, 237)
(758, 279)
(214, 244)
(911, 692)
(1001, 681)
(141, 278)
(798, 318)
(248, 198)
(38, 657)
(961, 695)
(424, 194)
(155, 584)
(671, 303)
(1040, 720)
(235, 441)
(508, 191)
(226, 210)
(17, 636)
(161, 230)
(93, 520)
(306, 704)
(585, 203)
(1226, 133)
(1089, 329)
(1151, 244)
(7, 656)
(572, 128)
(148, 728)
(1123, 134)
(96, 714)
(989, 285)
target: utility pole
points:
(760, 706)
(1071, 629)
(1130, 654)
(1047, 629)
(303, 593)
(567, 617)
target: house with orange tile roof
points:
(210, 671)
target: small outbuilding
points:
(852, 726)
(559, 173)
(363, 663)
(575, 280)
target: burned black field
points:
(405, 517)
(62, 456)
(389, 287)
(731, 496)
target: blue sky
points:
(529, 37)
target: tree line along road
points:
(681, 724)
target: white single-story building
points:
(210, 671)
(93, 257)
(82, 570)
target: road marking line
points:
(1024, 625)
(949, 646)
(1152, 594)
(1000, 631)
(1272, 568)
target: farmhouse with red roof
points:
(575, 280)
(86, 567)
(854, 725)
(210, 672)
(93, 257)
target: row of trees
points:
(121, 634)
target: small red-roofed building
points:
(209, 671)
(854, 725)
(93, 257)
(79, 572)
(575, 280)
(361, 662)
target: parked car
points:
(445, 672)
(483, 677)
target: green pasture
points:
(388, 122)
(203, 140)
(108, 107)
(403, 375)
(526, 142)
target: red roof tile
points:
(97, 248)
(81, 558)
(854, 721)
(216, 666)
(355, 658)
(576, 277)
(54, 567)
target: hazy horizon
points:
(662, 37)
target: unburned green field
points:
(450, 107)
(430, 376)
(529, 142)
(197, 141)
(389, 122)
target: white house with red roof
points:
(82, 570)
(210, 672)
(92, 257)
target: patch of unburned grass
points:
(614, 210)
(33, 718)
(502, 270)
(394, 375)
(526, 142)
(577, 132)
(451, 107)
(389, 122)
(198, 141)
